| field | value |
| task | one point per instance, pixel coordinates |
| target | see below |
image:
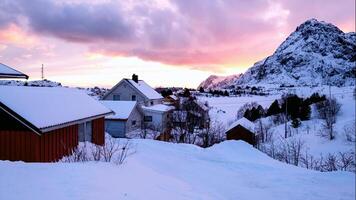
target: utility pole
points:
(286, 119)
(42, 73)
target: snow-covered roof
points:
(8, 72)
(243, 122)
(122, 109)
(45, 107)
(145, 89)
(158, 108)
(173, 97)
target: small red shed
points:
(42, 124)
(242, 129)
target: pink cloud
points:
(199, 34)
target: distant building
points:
(155, 113)
(127, 118)
(41, 124)
(242, 129)
(8, 72)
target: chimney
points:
(135, 78)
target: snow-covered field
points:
(159, 170)
(224, 110)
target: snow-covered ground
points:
(224, 110)
(159, 170)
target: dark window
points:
(133, 123)
(116, 97)
(151, 103)
(147, 118)
(133, 97)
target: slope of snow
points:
(147, 90)
(216, 82)
(8, 71)
(122, 109)
(45, 106)
(159, 170)
(158, 108)
(243, 122)
(224, 110)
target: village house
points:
(155, 113)
(41, 124)
(242, 129)
(8, 72)
(127, 118)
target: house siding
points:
(115, 128)
(29, 147)
(126, 91)
(241, 133)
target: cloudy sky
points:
(166, 42)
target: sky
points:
(166, 42)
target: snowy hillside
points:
(229, 170)
(316, 53)
(215, 82)
(224, 110)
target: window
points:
(147, 118)
(133, 123)
(133, 97)
(151, 103)
(85, 131)
(116, 97)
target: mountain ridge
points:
(316, 53)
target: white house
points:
(155, 114)
(127, 117)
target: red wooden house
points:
(44, 124)
(242, 129)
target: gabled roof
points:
(243, 122)
(122, 109)
(43, 109)
(142, 87)
(145, 89)
(8, 72)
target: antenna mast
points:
(42, 73)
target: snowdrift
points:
(159, 170)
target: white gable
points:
(145, 89)
(243, 122)
(122, 109)
(45, 107)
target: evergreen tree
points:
(186, 92)
(296, 123)
(304, 112)
(201, 90)
(274, 109)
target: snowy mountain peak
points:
(316, 53)
(215, 82)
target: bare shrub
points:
(349, 132)
(328, 111)
(124, 150)
(79, 154)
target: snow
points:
(224, 110)
(160, 170)
(122, 109)
(4, 69)
(158, 108)
(45, 107)
(243, 122)
(147, 90)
